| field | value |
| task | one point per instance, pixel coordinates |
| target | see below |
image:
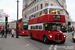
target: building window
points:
(46, 4)
(33, 9)
(37, 7)
(35, 0)
(25, 16)
(51, 4)
(41, 6)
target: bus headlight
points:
(50, 36)
(64, 36)
(23, 32)
(74, 37)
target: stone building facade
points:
(30, 6)
(11, 24)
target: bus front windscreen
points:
(25, 27)
(52, 27)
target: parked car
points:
(73, 36)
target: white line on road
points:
(68, 36)
(50, 47)
(27, 45)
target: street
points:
(68, 45)
(26, 43)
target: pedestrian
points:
(12, 32)
(9, 31)
(2, 32)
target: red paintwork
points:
(38, 34)
(0, 27)
(21, 31)
(46, 18)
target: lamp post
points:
(17, 21)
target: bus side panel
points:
(33, 33)
(45, 18)
(41, 19)
(63, 18)
(39, 34)
(50, 18)
(19, 27)
(29, 33)
(24, 33)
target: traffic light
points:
(6, 18)
(69, 23)
(6, 21)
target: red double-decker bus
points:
(0, 29)
(23, 26)
(45, 24)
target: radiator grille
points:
(58, 37)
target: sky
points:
(10, 8)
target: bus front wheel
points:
(45, 40)
(62, 42)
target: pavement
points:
(20, 43)
(67, 33)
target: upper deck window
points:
(25, 20)
(59, 11)
(40, 13)
(52, 11)
(45, 12)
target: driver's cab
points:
(52, 26)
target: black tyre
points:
(45, 40)
(31, 36)
(73, 40)
(62, 42)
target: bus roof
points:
(48, 7)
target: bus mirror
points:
(45, 25)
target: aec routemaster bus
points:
(45, 24)
(23, 26)
(0, 29)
